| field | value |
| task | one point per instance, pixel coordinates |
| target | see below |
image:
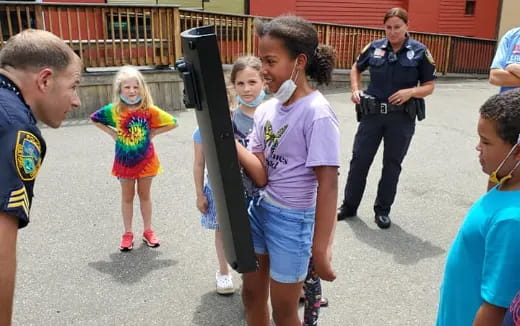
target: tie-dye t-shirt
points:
(135, 154)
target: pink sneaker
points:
(150, 238)
(127, 242)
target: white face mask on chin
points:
(286, 90)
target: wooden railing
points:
(114, 35)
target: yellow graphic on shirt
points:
(273, 139)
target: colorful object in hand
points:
(135, 154)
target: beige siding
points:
(509, 16)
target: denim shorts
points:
(209, 220)
(285, 235)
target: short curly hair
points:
(504, 109)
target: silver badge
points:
(410, 54)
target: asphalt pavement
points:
(70, 271)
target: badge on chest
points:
(410, 54)
(379, 53)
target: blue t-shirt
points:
(483, 263)
(508, 51)
(512, 317)
(196, 136)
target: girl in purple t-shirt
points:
(295, 154)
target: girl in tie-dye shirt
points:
(132, 121)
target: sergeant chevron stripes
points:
(19, 198)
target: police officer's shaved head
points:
(504, 109)
(396, 12)
(34, 49)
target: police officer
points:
(39, 75)
(402, 71)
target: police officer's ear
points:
(44, 79)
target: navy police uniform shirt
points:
(22, 150)
(390, 72)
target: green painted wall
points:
(195, 4)
(223, 6)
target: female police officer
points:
(401, 75)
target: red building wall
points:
(73, 32)
(432, 16)
(352, 12)
(423, 15)
(271, 8)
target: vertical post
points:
(38, 16)
(249, 36)
(177, 33)
(447, 57)
(327, 34)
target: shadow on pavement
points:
(406, 248)
(131, 267)
(217, 310)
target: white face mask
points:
(287, 88)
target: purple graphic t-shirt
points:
(294, 140)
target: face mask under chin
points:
(287, 88)
(128, 101)
(493, 177)
(255, 102)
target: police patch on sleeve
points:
(429, 57)
(27, 155)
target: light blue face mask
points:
(128, 101)
(256, 102)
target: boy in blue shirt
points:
(482, 272)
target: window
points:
(15, 22)
(470, 8)
(119, 26)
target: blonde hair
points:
(34, 49)
(124, 74)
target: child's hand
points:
(202, 204)
(322, 264)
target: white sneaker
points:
(224, 284)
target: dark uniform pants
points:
(396, 129)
